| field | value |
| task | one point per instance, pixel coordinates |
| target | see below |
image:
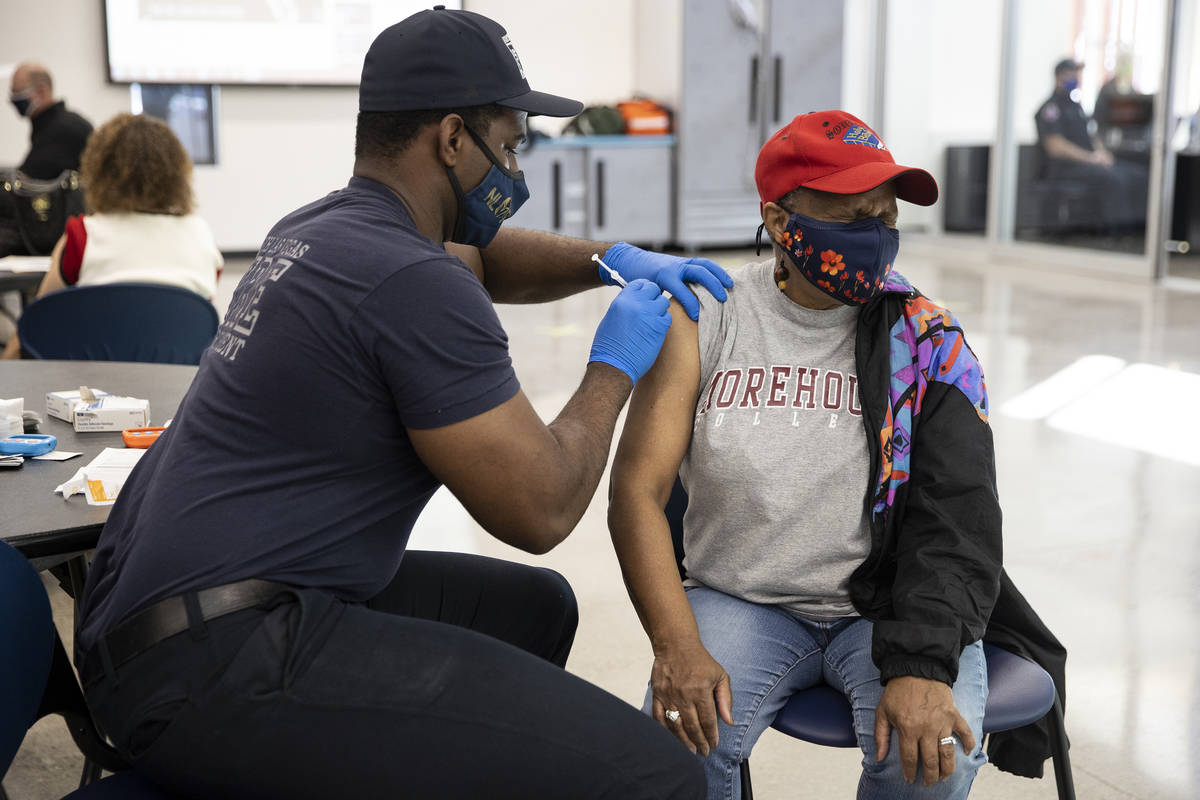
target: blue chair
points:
(119, 322)
(1019, 693)
(36, 679)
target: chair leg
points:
(78, 568)
(64, 697)
(90, 774)
(1060, 751)
(747, 789)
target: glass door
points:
(1180, 245)
(939, 105)
(1084, 82)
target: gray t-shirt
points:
(776, 472)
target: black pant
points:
(1120, 191)
(444, 685)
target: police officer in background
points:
(1073, 152)
(57, 136)
(253, 625)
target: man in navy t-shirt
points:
(1076, 156)
(252, 625)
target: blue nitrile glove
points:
(669, 272)
(632, 332)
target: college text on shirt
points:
(801, 390)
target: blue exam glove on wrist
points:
(632, 331)
(669, 272)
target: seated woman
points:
(830, 426)
(137, 185)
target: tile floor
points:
(1099, 475)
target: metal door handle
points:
(556, 193)
(753, 88)
(599, 193)
(778, 84)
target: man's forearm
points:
(524, 266)
(1058, 146)
(584, 433)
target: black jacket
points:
(933, 582)
(56, 142)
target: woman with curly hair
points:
(140, 226)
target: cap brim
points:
(913, 185)
(540, 103)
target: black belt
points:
(139, 632)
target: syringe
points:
(616, 276)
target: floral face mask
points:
(849, 261)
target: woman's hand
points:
(687, 680)
(923, 714)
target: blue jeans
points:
(771, 654)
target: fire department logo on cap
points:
(520, 67)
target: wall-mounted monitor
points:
(286, 42)
(189, 109)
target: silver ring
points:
(672, 716)
(948, 741)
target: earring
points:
(780, 276)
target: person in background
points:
(1074, 153)
(361, 365)
(57, 136)
(137, 185)
(829, 424)
(1113, 132)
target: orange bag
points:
(645, 118)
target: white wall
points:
(281, 147)
(581, 49)
(942, 70)
(1188, 96)
(1044, 37)
(858, 63)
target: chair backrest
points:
(27, 645)
(119, 322)
(1031, 165)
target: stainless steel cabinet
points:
(735, 71)
(600, 187)
(629, 194)
(557, 193)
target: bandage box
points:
(112, 413)
(62, 404)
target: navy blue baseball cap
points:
(1067, 65)
(446, 58)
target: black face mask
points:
(21, 102)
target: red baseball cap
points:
(832, 151)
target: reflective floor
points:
(1093, 383)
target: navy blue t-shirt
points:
(289, 458)
(1062, 115)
